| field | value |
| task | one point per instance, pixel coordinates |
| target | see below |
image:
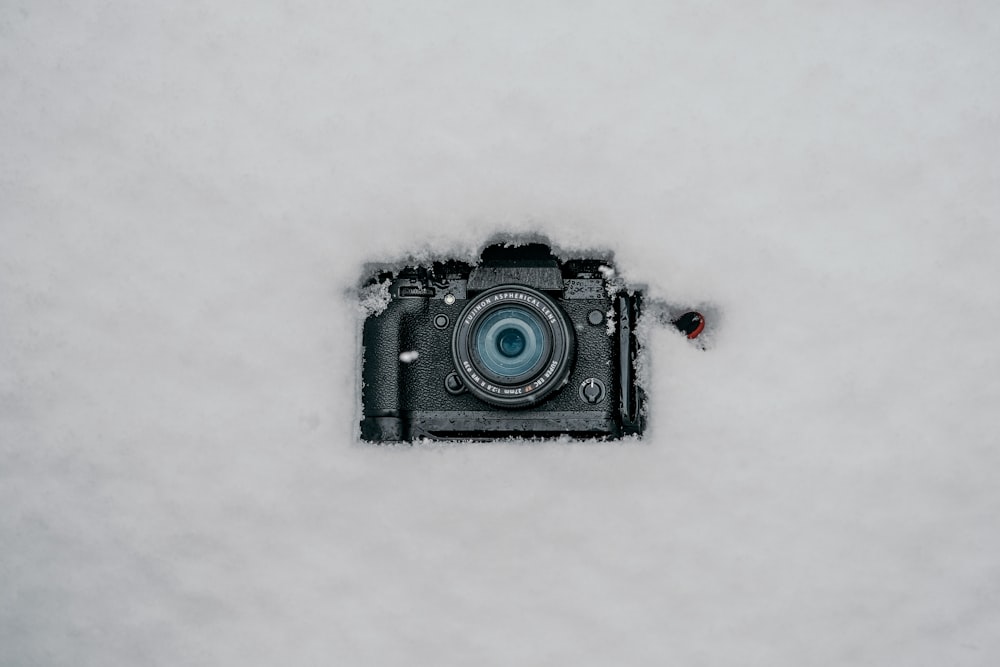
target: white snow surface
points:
(189, 192)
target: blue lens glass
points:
(510, 341)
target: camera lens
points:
(512, 346)
(510, 341)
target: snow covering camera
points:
(521, 344)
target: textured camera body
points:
(413, 383)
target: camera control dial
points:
(592, 390)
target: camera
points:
(520, 344)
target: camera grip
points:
(381, 371)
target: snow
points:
(189, 195)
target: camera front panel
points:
(582, 405)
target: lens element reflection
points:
(510, 342)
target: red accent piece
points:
(701, 327)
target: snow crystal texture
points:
(189, 193)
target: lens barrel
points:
(512, 346)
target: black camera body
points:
(519, 344)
